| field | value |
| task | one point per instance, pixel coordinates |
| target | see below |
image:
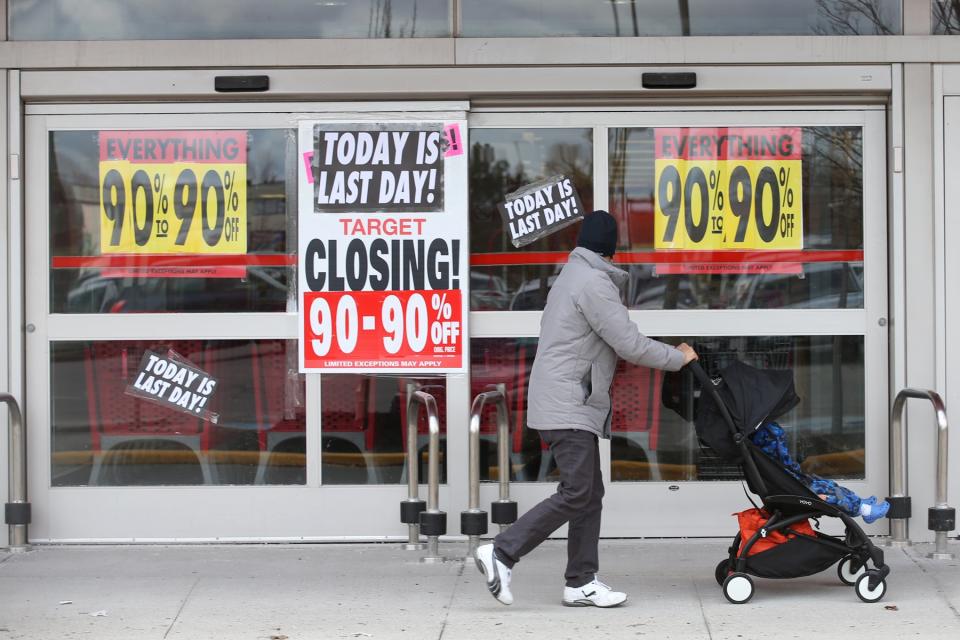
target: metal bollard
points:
(503, 512)
(413, 506)
(473, 521)
(941, 518)
(17, 509)
(433, 522)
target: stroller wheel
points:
(865, 593)
(846, 572)
(738, 588)
(721, 572)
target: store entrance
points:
(171, 235)
(307, 457)
(687, 189)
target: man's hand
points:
(689, 354)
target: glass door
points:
(809, 304)
(173, 235)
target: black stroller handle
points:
(699, 373)
(707, 385)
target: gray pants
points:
(578, 500)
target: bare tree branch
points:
(853, 17)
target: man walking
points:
(584, 328)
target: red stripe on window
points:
(670, 257)
(476, 259)
(161, 260)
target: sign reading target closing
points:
(728, 188)
(383, 267)
(173, 192)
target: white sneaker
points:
(592, 594)
(497, 573)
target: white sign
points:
(383, 257)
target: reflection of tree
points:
(618, 170)
(616, 17)
(854, 17)
(835, 173)
(380, 23)
(684, 17)
(492, 177)
(946, 16)
(490, 181)
(633, 16)
(571, 159)
(567, 159)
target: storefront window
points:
(502, 161)
(506, 361)
(946, 17)
(652, 434)
(103, 435)
(826, 273)
(819, 200)
(226, 19)
(486, 18)
(364, 428)
(653, 437)
(188, 221)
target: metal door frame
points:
(946, 137)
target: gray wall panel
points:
(919, 295)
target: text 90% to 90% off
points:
(744, 195)
(156, 205)
(404, 323)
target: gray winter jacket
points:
(584, 328)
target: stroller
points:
(732, 407)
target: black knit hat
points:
(598, 232)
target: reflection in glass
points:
(832, 220)
(486, 18)
(226, 19)
(502, 161)
(507, 361)
(102, 436)
(653, 437)
(363, 427)
(946, 17)
(75, 232)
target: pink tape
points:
(454, 140)
(308, 165)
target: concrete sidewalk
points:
(301, 592)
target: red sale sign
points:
(376, 329)
(383, 270)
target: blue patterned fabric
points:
(770, 438)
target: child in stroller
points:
(732, 408)
(771, 439)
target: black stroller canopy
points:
(752, 396)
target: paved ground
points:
(301, 592)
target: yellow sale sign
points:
(173, 192)
(728, 188)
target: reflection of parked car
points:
(643, 294)
(91, 293)
(654, 296)
(532, 294)
(820, 286)
(263, 289)
(488, 292)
